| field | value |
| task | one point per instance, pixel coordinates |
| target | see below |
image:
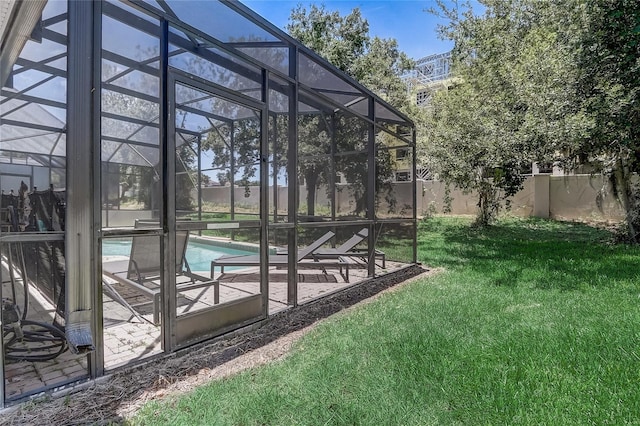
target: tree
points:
(243, 135)
(474, 132)
(472, 149)
(125, 162)
(607, 56)
(342, 41)
(345, 42)
(314, 147)
(377, 63)
(566, 71)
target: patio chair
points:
(282, 260)
(142, 270)
(345, 250)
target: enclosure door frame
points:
(207, 323)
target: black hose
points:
(36, 341)
(36, 345)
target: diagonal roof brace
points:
(17, 22)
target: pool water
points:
(199, 255)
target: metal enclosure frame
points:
(364, 133)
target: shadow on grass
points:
(534, 253)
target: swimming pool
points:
(199, 255)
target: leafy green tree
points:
(314, 148)
(378, 64)
(608, 52)
(342, 40)
(472, 149)
(244, 137)
(125, 163)
(345, 42)
(561, 80)
(474, 132)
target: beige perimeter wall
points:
(560, 197)
(577, 197)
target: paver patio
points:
(129, 339)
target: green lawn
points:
(533, 322)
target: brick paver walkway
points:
(128, 338)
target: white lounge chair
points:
(282, 260)
(345, 250)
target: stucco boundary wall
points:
(574, 197)
(345, 201)
(571, 197)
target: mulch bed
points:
(102, 401)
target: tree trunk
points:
(311, 180)
(483, 203)
(627, 198)
(487, 204)
(361, 202)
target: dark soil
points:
(108, 400)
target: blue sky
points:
(404, 20)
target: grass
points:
(533, 322)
